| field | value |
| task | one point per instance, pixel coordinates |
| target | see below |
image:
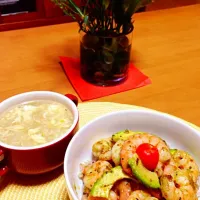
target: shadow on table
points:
(29, 180)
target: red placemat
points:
(87, 91)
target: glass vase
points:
(105, 60)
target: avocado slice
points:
(124, 135)
(103, 185)
(173, 151)
(148, 178)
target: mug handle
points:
(4, 167)
(73, 98)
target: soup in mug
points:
(34, 123)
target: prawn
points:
(122, 189)
(92, 172)
(129, 148)
(102, 149)
(176, 184)
(141, 195)
(116, 149)
(113, 196)
(185, 162)
(84, 197)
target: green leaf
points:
(72, 3)
(68, 7)
(85, 7)
(102, 17)
(131, 6)
(85, 21)
(106, 3)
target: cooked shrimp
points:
(185, 162)
(94, 171)
(102, 149)
(141, 195)
(116, 149)
(113, 196)
(176, 184)
(123, 189)
(129, 148)
(84, 197)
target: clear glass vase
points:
(105, 60)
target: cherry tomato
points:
(149, 155)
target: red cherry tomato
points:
(149, 155)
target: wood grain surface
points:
(166, 47)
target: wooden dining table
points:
(165, 47)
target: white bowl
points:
(176, 132)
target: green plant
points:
(102, 17)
